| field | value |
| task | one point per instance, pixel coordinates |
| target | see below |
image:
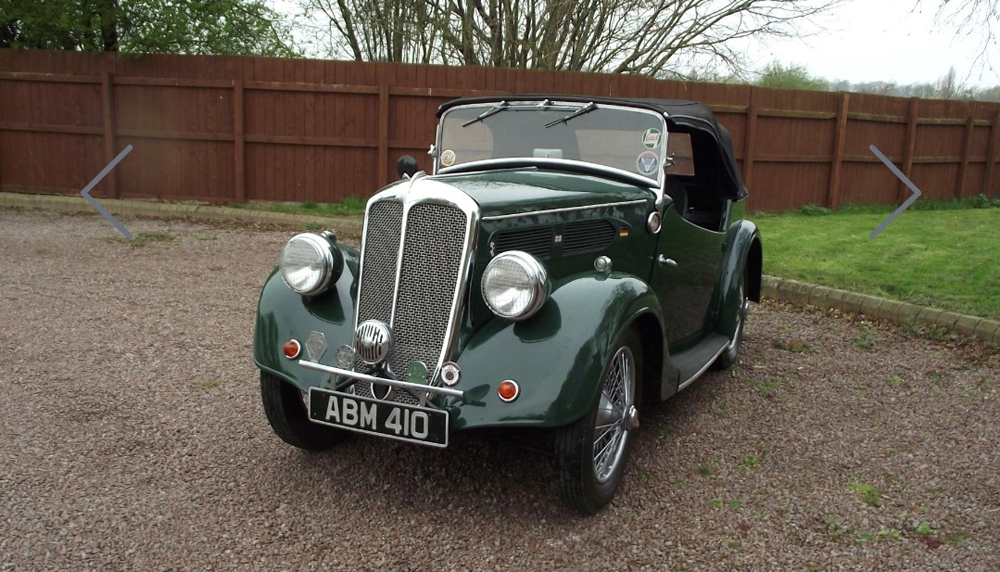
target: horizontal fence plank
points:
(877, 118)
(49, 77)
(793, 158)
(172, 82)
(42, 128)
(796, 114)
(310, 87)
(313, 141)
(275, 129)
(176, 135)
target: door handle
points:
(668, 261)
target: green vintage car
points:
(568, 258)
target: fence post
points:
(991, 154)
(839, 136)
(239, 143)
(107, 112)
(383, 128)
(750, 139)
(910, 145)
(970, 124)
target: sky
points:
(883, 40)
(861, 41)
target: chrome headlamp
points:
(515, 284)
(309, 264)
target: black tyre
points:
(728, 356)
(286, 412)
(592, 453)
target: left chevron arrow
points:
(85, 193)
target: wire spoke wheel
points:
(612, 429)
(592, 452)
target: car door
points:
(685, 271)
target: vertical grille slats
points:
(385, 220)
(432, 261)
(431, 265)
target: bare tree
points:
(622, 36)
(391, 30)
(970, 16)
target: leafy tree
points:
(145, 26)
(654, 37)
(793, 76)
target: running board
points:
(693, 362)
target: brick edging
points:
(350, 226)
(804, 293)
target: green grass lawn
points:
(944, 258)
(348, 207)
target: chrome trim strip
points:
(698, 373)
(566, 209)
(507, 162)
(390, 382)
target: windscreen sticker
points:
(647, 162)
(448, 158)
(651, 138)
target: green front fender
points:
(283, 315)
(743, 256)
(556, 357)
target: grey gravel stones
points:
(132, 438)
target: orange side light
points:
(292, 349)
(508, 390)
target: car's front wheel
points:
(286, 412)
(592, 453)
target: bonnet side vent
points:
(587, 236)
(535, 241)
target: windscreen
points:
(621, 138)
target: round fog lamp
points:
(515, 285)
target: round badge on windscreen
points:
(651, 138)
(647, 162)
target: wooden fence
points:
(231, 129)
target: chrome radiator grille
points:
(385, 219)
(432, 261)
(420, 309)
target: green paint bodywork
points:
(557, 355)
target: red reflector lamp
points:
(508, 390)
(292, 349)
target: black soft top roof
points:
(689, 115)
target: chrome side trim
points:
(506, 162)
(390, 382)
(566, 209)
(698, 373)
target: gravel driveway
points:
(132, 438)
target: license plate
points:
(365, 415)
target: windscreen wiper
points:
(585, 109)
(491, 111)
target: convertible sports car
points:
(568, 259)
